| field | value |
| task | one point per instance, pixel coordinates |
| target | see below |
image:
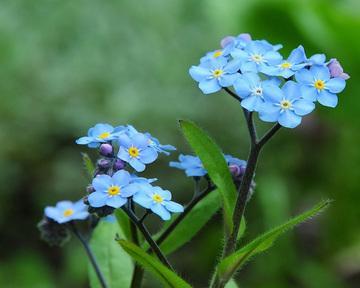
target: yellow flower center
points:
(286, 65)
(68, 212)
(114, 190)
(104, 135)
(319, 84)
(217, 53)
(257, 58)
(285, 104)
(157, 198)
(133, 151)
(217, 73)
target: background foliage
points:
(66, 65)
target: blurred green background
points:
(66, 65)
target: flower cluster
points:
(280, 90)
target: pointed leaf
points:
(228, 266)
(214, 162)
(164, 274)
(124, 223)
(88, 165)
(114, 263)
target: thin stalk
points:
(138, 272)
(90, 255)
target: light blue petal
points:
(148, 155)
(240, 54)
(137, 165)
(143, 199)
(209, 86)
(233, 66)
(79, 205)
(130, 190)
(297, 55)
(272, 93)
(101, 128)
(62, 205)
(140, 140)
(121, 178)
(289, 119)
(116, 201)
(52, 213)
(291, 90)
(193, 172)
(199, 73)
(335, 85)
(123, 154)
(97, 199)
(84, 140)
(320, 72)
(166, 194)
(80, 215)
(251, 103)
(176, 165)
(303, 107)
(242, 87)
(328, 99)
(318, 59)
(161, 211)
(102, 182)
(308, 92)
(124, 140)
(174, 207)
(304, 76)
(249, 67)
(228, 79)
(273, 57)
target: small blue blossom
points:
(225, 52)
(112, 191)
(316, 84)
(288, 67)
(214, 74)
(98, 134)
(252, 90)
(66, 211)
(230, 160)
(141, 180)
(256, 55)
(192, 165)
(317, 59)
(287, 107)
(157, 200)
(136, 151)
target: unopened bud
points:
(106, 149)
(119, 164)
(336, 70)
(103, 163)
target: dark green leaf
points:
(124, 223)
(228, 266)
(164, 274)
(214, 162)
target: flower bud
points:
(89, 189)
(336, 70)
(53, 233)
(245, 36)
(119, 164)
(226, 41)
(237, 171)
(103, 163)
(101, 211)
(106, 149)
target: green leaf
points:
(114, 263)
(228, 266)
(124, 223)
(231, 284)
(164, 274)
(88, 165)
(192, 223)
(214, 162)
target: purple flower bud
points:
(103, 163)
(106, 149)
(119, 164)
(234, 170)
(226, 41)
(242, 170)
(336, 70)
(245, 37)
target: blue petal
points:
(303, 107)
(161, 211)
(52, 213)
(242, 87)
(80, 215)
(163, 193)
(249, 67)
(130, 190)
(320, 72)
(101, 128)
(97, 199)
(199, 73)
(143, 199)
(297, 55)
(308, 92)
(209, 86)
(148, 155)
(251, 103)
(116, 201)
(124, 140)
(335, 85)
(239, 54)
(318, 59)
(273, 57)
(304, 76)
(123, 154)
(174, 207)
(228, 79)
(140, 140)
(272, 93)
(289, 119)
(328, 99)
(102, 182)
(192, 172)
(269, 116)
(233, 66)
(137, 165)
(291, 90)
(84, 140)
(121, 178)
(62, 205)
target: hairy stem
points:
(90, 255)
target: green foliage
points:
(164, 274)
(231, 284)
(228, 266)
(114, 263)
(124, 223)
(88, 165)
(214, 162)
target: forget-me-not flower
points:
(287, 107)
(214, 74)
(316, 84)
(252, 90)
(98, 134)
(136, 151)
(112, 191)
(192, 165)
(157, 200)
(66, 211)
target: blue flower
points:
(66, 211)
(112, 191)
(287, 107)
(100, 133)
(215, 74)
(256, 55)
(191, 164)
(230, 160)
(216, 53)
(288, 67)
(135, 150)
(317, 59)
(157, 200)
(141, 180)
(252, 90)
(317, 85)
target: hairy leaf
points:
(88, 165)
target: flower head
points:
(336, 70)
(98, 134)
(192, 165)
(316, 84)
(111, 191)
(66, 211)
(157, 200)
(135, 150)
(286, 107)
(214, 74)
